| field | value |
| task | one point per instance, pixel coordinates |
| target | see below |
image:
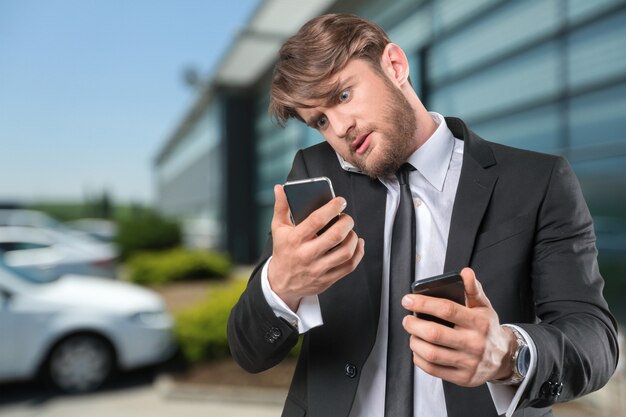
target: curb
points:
(168, 388)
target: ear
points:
(395, 64)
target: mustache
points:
(354, 134)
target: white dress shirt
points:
(433, 185)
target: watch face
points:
(523, 360)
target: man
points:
(535, 329)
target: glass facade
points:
(190, 180)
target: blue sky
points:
(91, 89)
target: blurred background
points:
(138, 162)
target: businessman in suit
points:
(534, 329)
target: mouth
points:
(361, 143)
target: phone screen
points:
(448, 285)
(306, 196)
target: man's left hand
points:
(476, 350)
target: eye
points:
(321, 122)
(344, 96)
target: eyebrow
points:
(334, 91)
(339, 86)
(311, 122)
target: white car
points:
(76, 330)
(56, 252)
(29, 218)
(100, 229)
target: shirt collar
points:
(431, 159)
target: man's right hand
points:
(306, 264)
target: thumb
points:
(281, 208)
(474, 294)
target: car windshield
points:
(32, 276)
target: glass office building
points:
(545, 75)
(189, 176)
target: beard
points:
(398, 137)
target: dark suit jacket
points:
(519, 220)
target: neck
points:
(425, 128)
(425, 125)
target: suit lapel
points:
(471, 201)
(358, 294)
(474, 191)
(473, 194)
(369, 216)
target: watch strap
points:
(517, 375)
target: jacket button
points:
(551, 389)
(272, 335)
(350, 370)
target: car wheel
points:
(80, 363)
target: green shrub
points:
(201, 329)
(146, 231)
(154, 268)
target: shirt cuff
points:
(506, 397)
(309, 314)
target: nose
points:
(340, 122)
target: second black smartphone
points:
(306, 196)
(448, 285)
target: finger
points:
(344, 269)
(438, 307)
(437, 355)
(434, 333)
(446, 373)
(334, 236)
(281, 208)
(457, 375)
(342, 252)
(475, 296)
(320, 217)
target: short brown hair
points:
(320, 49)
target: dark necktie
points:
(399, 390)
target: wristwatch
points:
(520, 360)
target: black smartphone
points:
(306, 196)
(448, 285)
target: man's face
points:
(367, 120)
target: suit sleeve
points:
(576, 337)
(257, 338)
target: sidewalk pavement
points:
(163, 398)
(171, 390)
